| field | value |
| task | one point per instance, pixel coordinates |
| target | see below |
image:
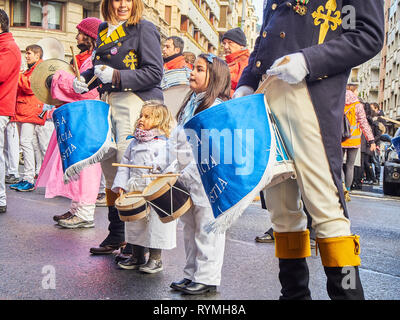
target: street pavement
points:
(40, 261)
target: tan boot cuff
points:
(292, 245)
(111, 197)
(340, 251)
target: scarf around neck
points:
(146, 135)
(191, 107)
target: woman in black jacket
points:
(128, 65)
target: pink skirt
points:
(84, 190)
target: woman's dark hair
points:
(4, 21)
(368, 112)
(219, 84)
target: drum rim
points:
(135, 217)
(160, 192)
(142, 201)
(181, 211)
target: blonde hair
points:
(109, 16)
(161, 116)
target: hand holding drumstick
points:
(146, 167)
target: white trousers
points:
(27, 134)
(3, 123)
(204, 252)
(41, 142)
(299, 127)
(11, 149)
(125, 110)
(83, 211)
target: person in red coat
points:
(10, 64)
(172, 52)
(27, 111)
(236, 55)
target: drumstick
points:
(391, 120)
(161, 175)
(77, 73)
(95, 77)
(266, 82)
(131, 166)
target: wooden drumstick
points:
(267, 81)
(131, 166)
(77, 73)
(161, 175)
(95, 77)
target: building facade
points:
(200, 23)
(379, 78)
(390, 98)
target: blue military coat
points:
(331, 46)
(136, 52)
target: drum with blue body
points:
(83, 134)
(235, 147)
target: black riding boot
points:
(294, 277)
(116, 228)
(344, 283)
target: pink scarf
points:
(146, 135)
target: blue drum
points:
(83, 134)
(237, 149)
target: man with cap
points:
(236, 56)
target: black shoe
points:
(3, 209)
(132, 263)
(179, 285)
(107, 249)
(198, 288)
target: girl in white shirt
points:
(147, 148)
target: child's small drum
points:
(131, 206)
(168, 197)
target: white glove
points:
(292, 72)
(79, 85)
(47, 107)
(104, 73)
(243, 91)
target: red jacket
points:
(10, 64)
(177, 63)
(28, 106)
(237, 62)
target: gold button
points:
(283, 35)
(98, 57)
(274, 6)
(264, 34)
(109, 56)
(119, 44)
(258, 64)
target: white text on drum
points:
(238, 148)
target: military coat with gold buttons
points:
(136, 52)
(334, 36)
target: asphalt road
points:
(38, 260)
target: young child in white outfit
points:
(147, 148)
(210, 85)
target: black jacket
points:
(136, 52)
